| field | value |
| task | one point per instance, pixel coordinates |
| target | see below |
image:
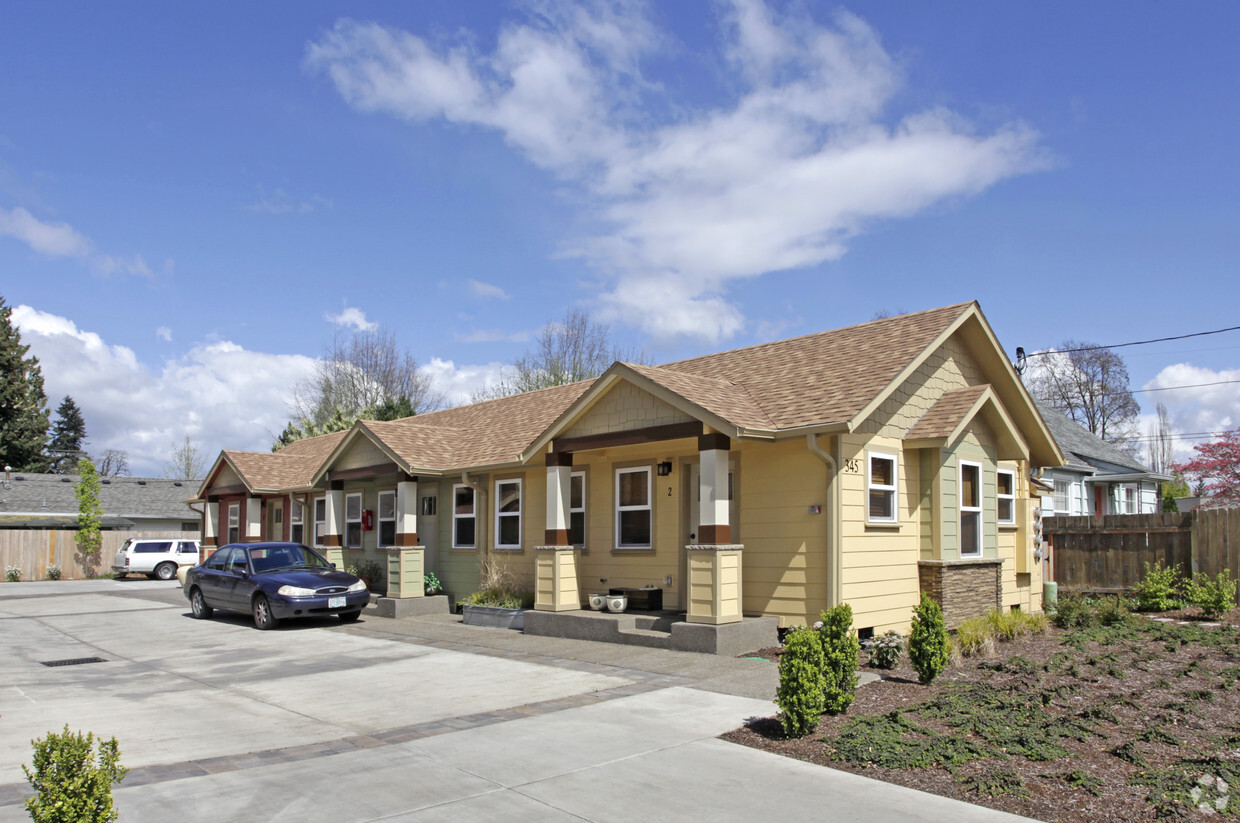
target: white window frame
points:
(296, 520)
(648, 507)
(351, 521)
(893, 489)
(234, 522)
(473, 515)
(1066, 499)
(577, 509)
(1010, 520)
(977, 510)
(1135, 502)
(320, 526)
(380, 519)
(499, 515)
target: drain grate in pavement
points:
(73, 661)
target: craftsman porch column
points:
(407, 512)
(555, 563)
(253, 520)
(210, 526)
(333, 528)
(714, 572)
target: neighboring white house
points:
(47, 501)
(1099, 478)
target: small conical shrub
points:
(927, 645)
(799, 696)
(840, 650)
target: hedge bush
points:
(800, 694)
(927, 644)
(840, 652)
(70, 786)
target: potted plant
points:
(498, 602)
(370, 571)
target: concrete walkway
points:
(416, 719)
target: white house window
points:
(353, 520)
(1063, 491)
(970, 509)
(463, 517)
(1006, 498)
(234, 522)
(881, 484)
(320, 520)
(633, 510)
(387, 518)
(508, 514)
(296, 526)
(577, 509)
(1130, 499)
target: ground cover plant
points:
(1112, 717)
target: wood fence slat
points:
(33, 550)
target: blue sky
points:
(191, 196)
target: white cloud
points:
(352, 317)
(493, 336)
(219, 394)
(52, 239)
(164, 333)
(458, 383)
(1201, 408)
(803, 158)
(487, 291)
(280, 202)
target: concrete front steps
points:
(658, 630)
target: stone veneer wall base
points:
(963, 588)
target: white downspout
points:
(834, 563)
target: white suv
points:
(154, 557)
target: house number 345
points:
(852, 465)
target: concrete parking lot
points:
(421, 719)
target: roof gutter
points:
(835, 591)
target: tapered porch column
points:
(253, 520)
(714, 572)
(210, 526)
(407, 512)
(555, 570)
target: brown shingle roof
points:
(319, 446)
(268, 471)
(945, 415)
(725, 398)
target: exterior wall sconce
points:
(665, 468)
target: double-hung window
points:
(1005, 498)
(1063, 494)
(881, 485)
(387, 518)
(633, 508)
(1130, 499)
(320, 520)
(970, 509)
(296, 526)
(577, 509)
(508, 514)
(234, 522)
(463, 517)
(353, 520)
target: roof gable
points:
(1084, 449)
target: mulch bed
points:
(1129, 723)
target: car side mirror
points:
(333, 565)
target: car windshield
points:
(286, 556)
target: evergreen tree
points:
(23, 405)
(68, 437)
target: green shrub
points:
(1160, 589)
(431, 585)
(70, 786)
(1036, 623)
(13, 574)
(927, 645)
(1111, 611)
(840, 651)
(1007, 626)
(1073, 612)
(800, 694)
(1214, 597)
(976, 637)
(53, 572)
(885, 650)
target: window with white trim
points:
(1063, 496)
(353, 520)
(296, 524)
(508, 514)
(387, 518)
(970, 509)
(463, 517)
(577, 509)
(1130, 499)
(881, 487)
(1005, 497)
(634, 513)
(234, 522)
(320, 520)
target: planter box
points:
(493, 617)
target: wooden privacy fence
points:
(1109, 553)
(33, 550)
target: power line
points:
(1135, 343)
(1190, 386)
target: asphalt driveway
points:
(419, 719)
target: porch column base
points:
(555, 579)
(714, 583)
(406, 567)
(333, 555)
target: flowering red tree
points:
(1217, 465)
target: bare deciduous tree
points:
(1162, 441)
(1090, 385)
(114, 463)
(575, 348)
(362, 370)
(186, 462)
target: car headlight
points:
(295, 591)
(359, 586)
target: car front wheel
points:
(166, 571)
(263, 618)
(349, 617)
(199, 605)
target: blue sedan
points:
(273, 582)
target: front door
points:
(428, 530)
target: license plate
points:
(335, 602)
